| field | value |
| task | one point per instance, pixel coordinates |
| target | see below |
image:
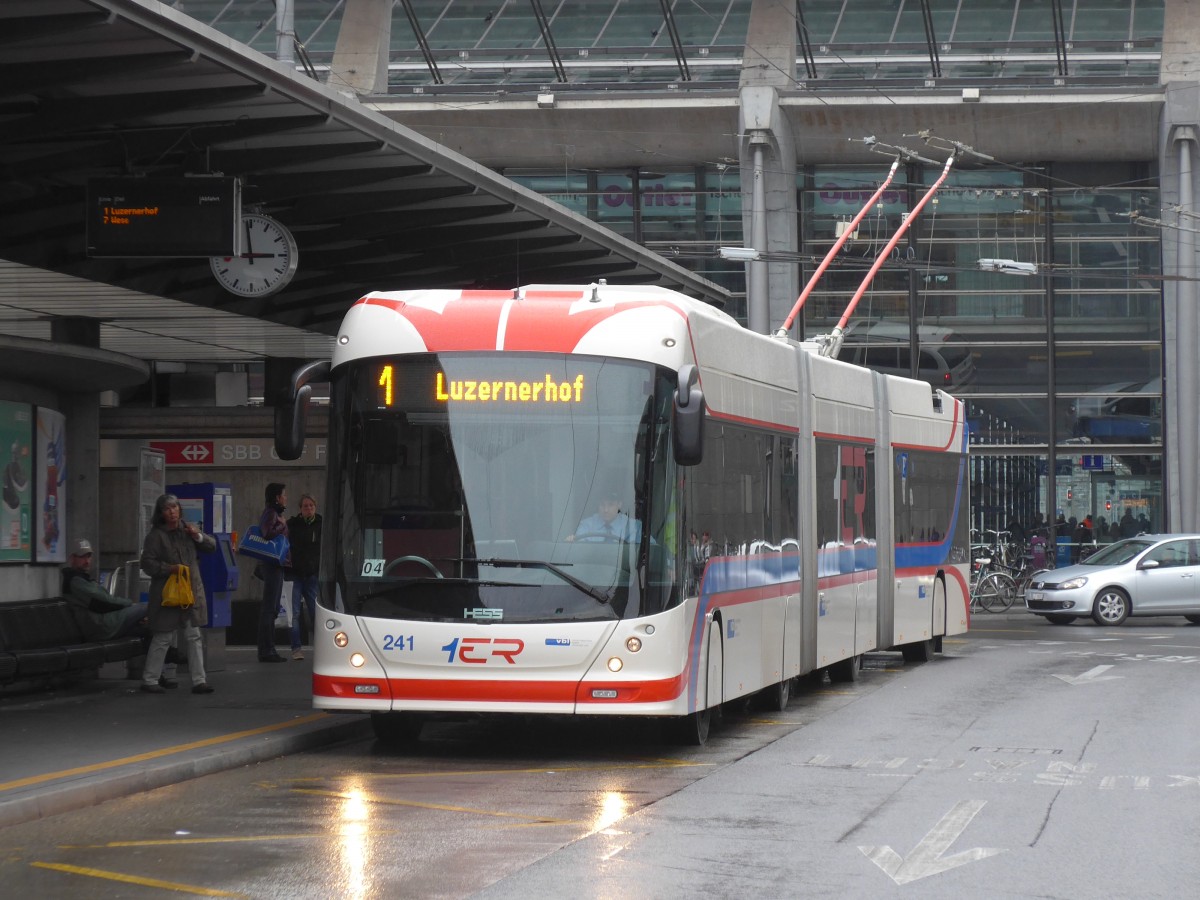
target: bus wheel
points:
(845, 670)
(397, 729)
(921, 651)
(692, 730)
(776, 696)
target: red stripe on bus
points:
(504, 691)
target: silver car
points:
(1147, 575)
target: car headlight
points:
(1072, 583)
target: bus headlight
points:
(633, 644)
(615, 664)
(340, 639)
(357, 660)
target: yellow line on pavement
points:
(157, 754)
(135, 879)
(540, 820)
(244, 839)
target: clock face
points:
(267, 262)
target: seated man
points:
(608, 524)
(101, 616)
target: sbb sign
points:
(235, 453)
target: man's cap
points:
(82, 548)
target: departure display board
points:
(164, 217)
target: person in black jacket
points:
(271, 524)
(304, 534)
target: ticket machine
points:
(209, 506)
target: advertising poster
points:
(16, 501)
(51, 484)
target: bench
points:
(41, 638)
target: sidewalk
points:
(97, 739)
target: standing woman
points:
(172, 544)
(272, 524)
(304, 535)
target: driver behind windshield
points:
(608, 524)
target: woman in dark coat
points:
(171, 544)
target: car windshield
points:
(1118, 553)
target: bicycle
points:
(992, 590)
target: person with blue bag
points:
(271, 524)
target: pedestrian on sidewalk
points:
(172, 544)
(271, 524)
(304, 535)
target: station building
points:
(718, 147)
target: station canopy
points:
(113, 88)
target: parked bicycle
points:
(992, 590)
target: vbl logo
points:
(481, 650)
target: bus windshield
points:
(502, 488)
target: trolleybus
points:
(777, 512)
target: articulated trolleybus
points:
(616, 501)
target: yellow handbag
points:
(177, 592)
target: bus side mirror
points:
(689, 418)
(291, 416)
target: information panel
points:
(163, 217)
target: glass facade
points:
(1029, 293)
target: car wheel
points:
(1111, 607)
(1058, 619)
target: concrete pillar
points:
(768, 161)
(360, 56)
(1179, 150)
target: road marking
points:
(1091, 676)
(136, 879)
(157, 754)
(245, 839)
(926, 858)
(537, 820)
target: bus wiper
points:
(596, 594)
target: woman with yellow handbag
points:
(169, 558)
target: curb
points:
(48, 800)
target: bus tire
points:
(918, 651)
(776, 697)
(397, 729)
(692, 730)
(846, 670)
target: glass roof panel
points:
(991, 22)
(1100, 20)
(611, 41)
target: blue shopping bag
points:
(255, 546)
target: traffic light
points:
(1068, 493)
(1107, 505)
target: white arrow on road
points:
(926, 858)
(1090, 676)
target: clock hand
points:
(249, 254)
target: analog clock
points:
(267, 262)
